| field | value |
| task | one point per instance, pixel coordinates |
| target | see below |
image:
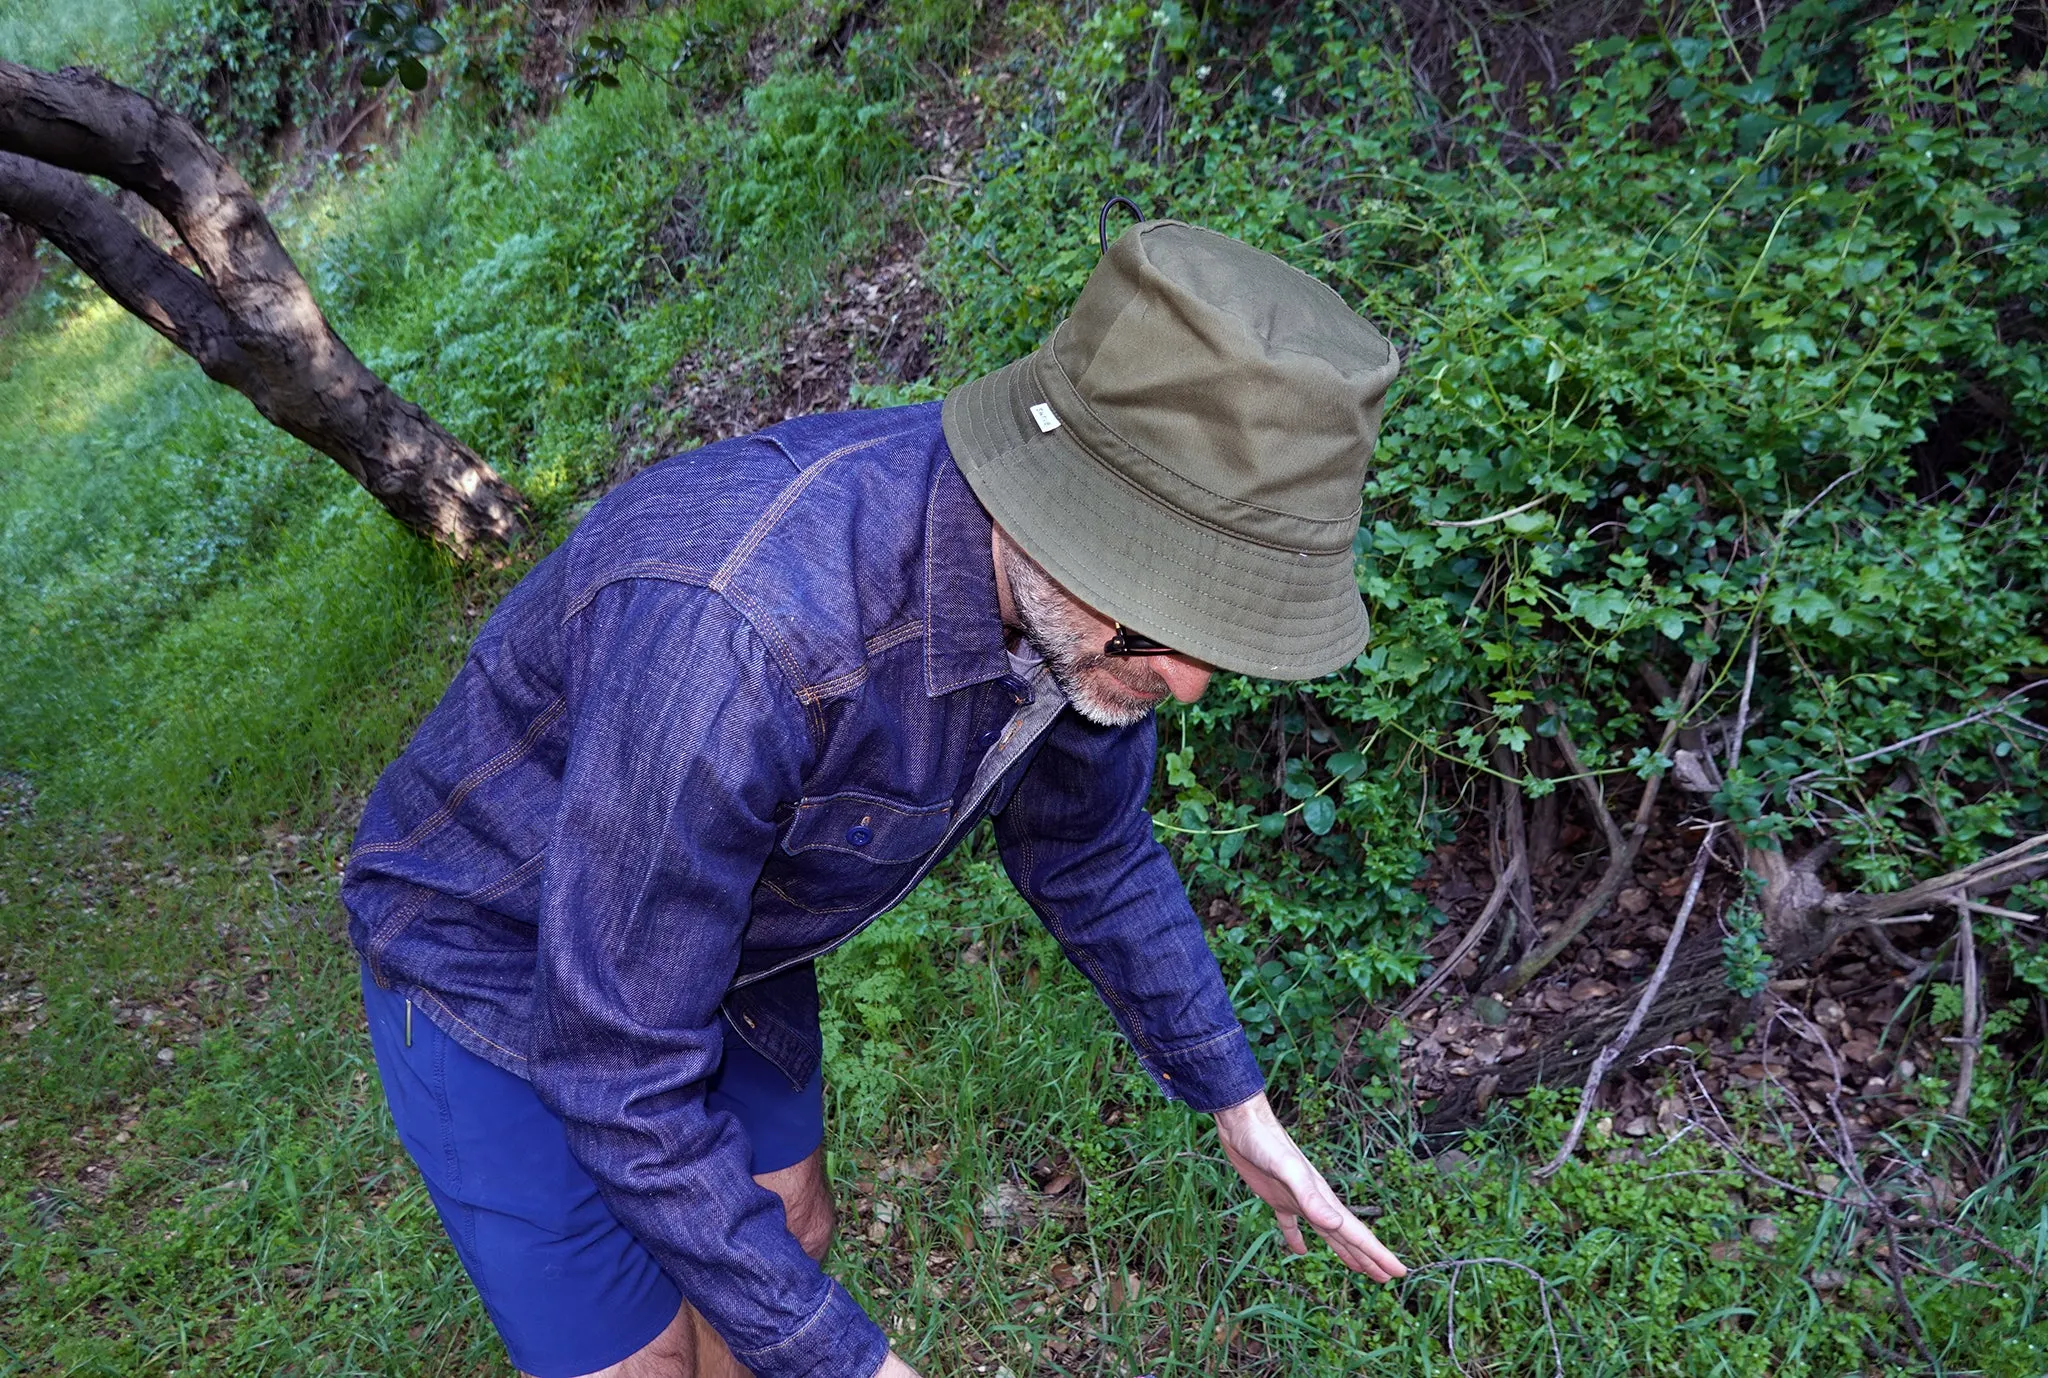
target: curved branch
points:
(146, 281)
(300, 374)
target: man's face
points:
(1068, 635)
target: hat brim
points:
(1233, 603)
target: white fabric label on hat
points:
(1042, 414)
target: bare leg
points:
(691, 1349)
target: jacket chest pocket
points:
(852, 851)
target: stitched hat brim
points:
(1234, 603)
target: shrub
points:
(1735, 337)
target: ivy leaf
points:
(1272, 824)
(1346, 765)
(425, 41)
(411, 74)
(1297, 783)
(1320, 814)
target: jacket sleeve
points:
(683, 739)
(1078, 844)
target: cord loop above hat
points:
(1102, 221)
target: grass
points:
(217, 643)
(99, 33)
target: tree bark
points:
(247, 316)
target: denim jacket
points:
(741, 711)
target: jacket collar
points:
(963, 636)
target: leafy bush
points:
(246, 71)
(813, 138)
(1734, 338)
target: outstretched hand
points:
(1265, 1155)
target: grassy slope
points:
(221, 642)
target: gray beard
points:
(1045, 615)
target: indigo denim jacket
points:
(742, 710)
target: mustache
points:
(1141, 680)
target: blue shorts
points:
(569, 1288)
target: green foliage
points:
(1699, 353)
(61, 33)
(395, 41)
(813, 137)
(1744, 961)
(246, 71)
(1669, 315)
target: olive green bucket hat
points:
(1186, 452)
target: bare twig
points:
(1966, 1071)
(1979, 907)
(1457, 1266)
(1588, 783)
(2022, 861)
(1515, 835)
(1480, 925)
(1742, 709)
(1917, 738)
(1624, 846)
(1610, 1054)
(1895, 1265)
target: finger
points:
(1356, 1245)
(1362, 1252)
(1290, 1230)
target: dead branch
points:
(1514, 827)
(1623, 847)
(1966, 1046)
(1588, 782)
(1501, 887)
(1742, 708)
(1919, 737)
(1610, 1054)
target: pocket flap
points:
(862, 825)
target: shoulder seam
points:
(778, 509)
(743, 610)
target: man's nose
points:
(1186, 678)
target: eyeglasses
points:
(1129, 643)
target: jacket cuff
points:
(1212, 1075)
(838, 1341)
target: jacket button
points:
(859, 836)
(987, 739)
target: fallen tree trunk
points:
(247, 316)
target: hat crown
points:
(1233, 387)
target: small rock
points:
(1829, 1280)
(1453, 1162)
(1764, 1229)
(166, 1056)
(1490, 1011)
(1639, 1126)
